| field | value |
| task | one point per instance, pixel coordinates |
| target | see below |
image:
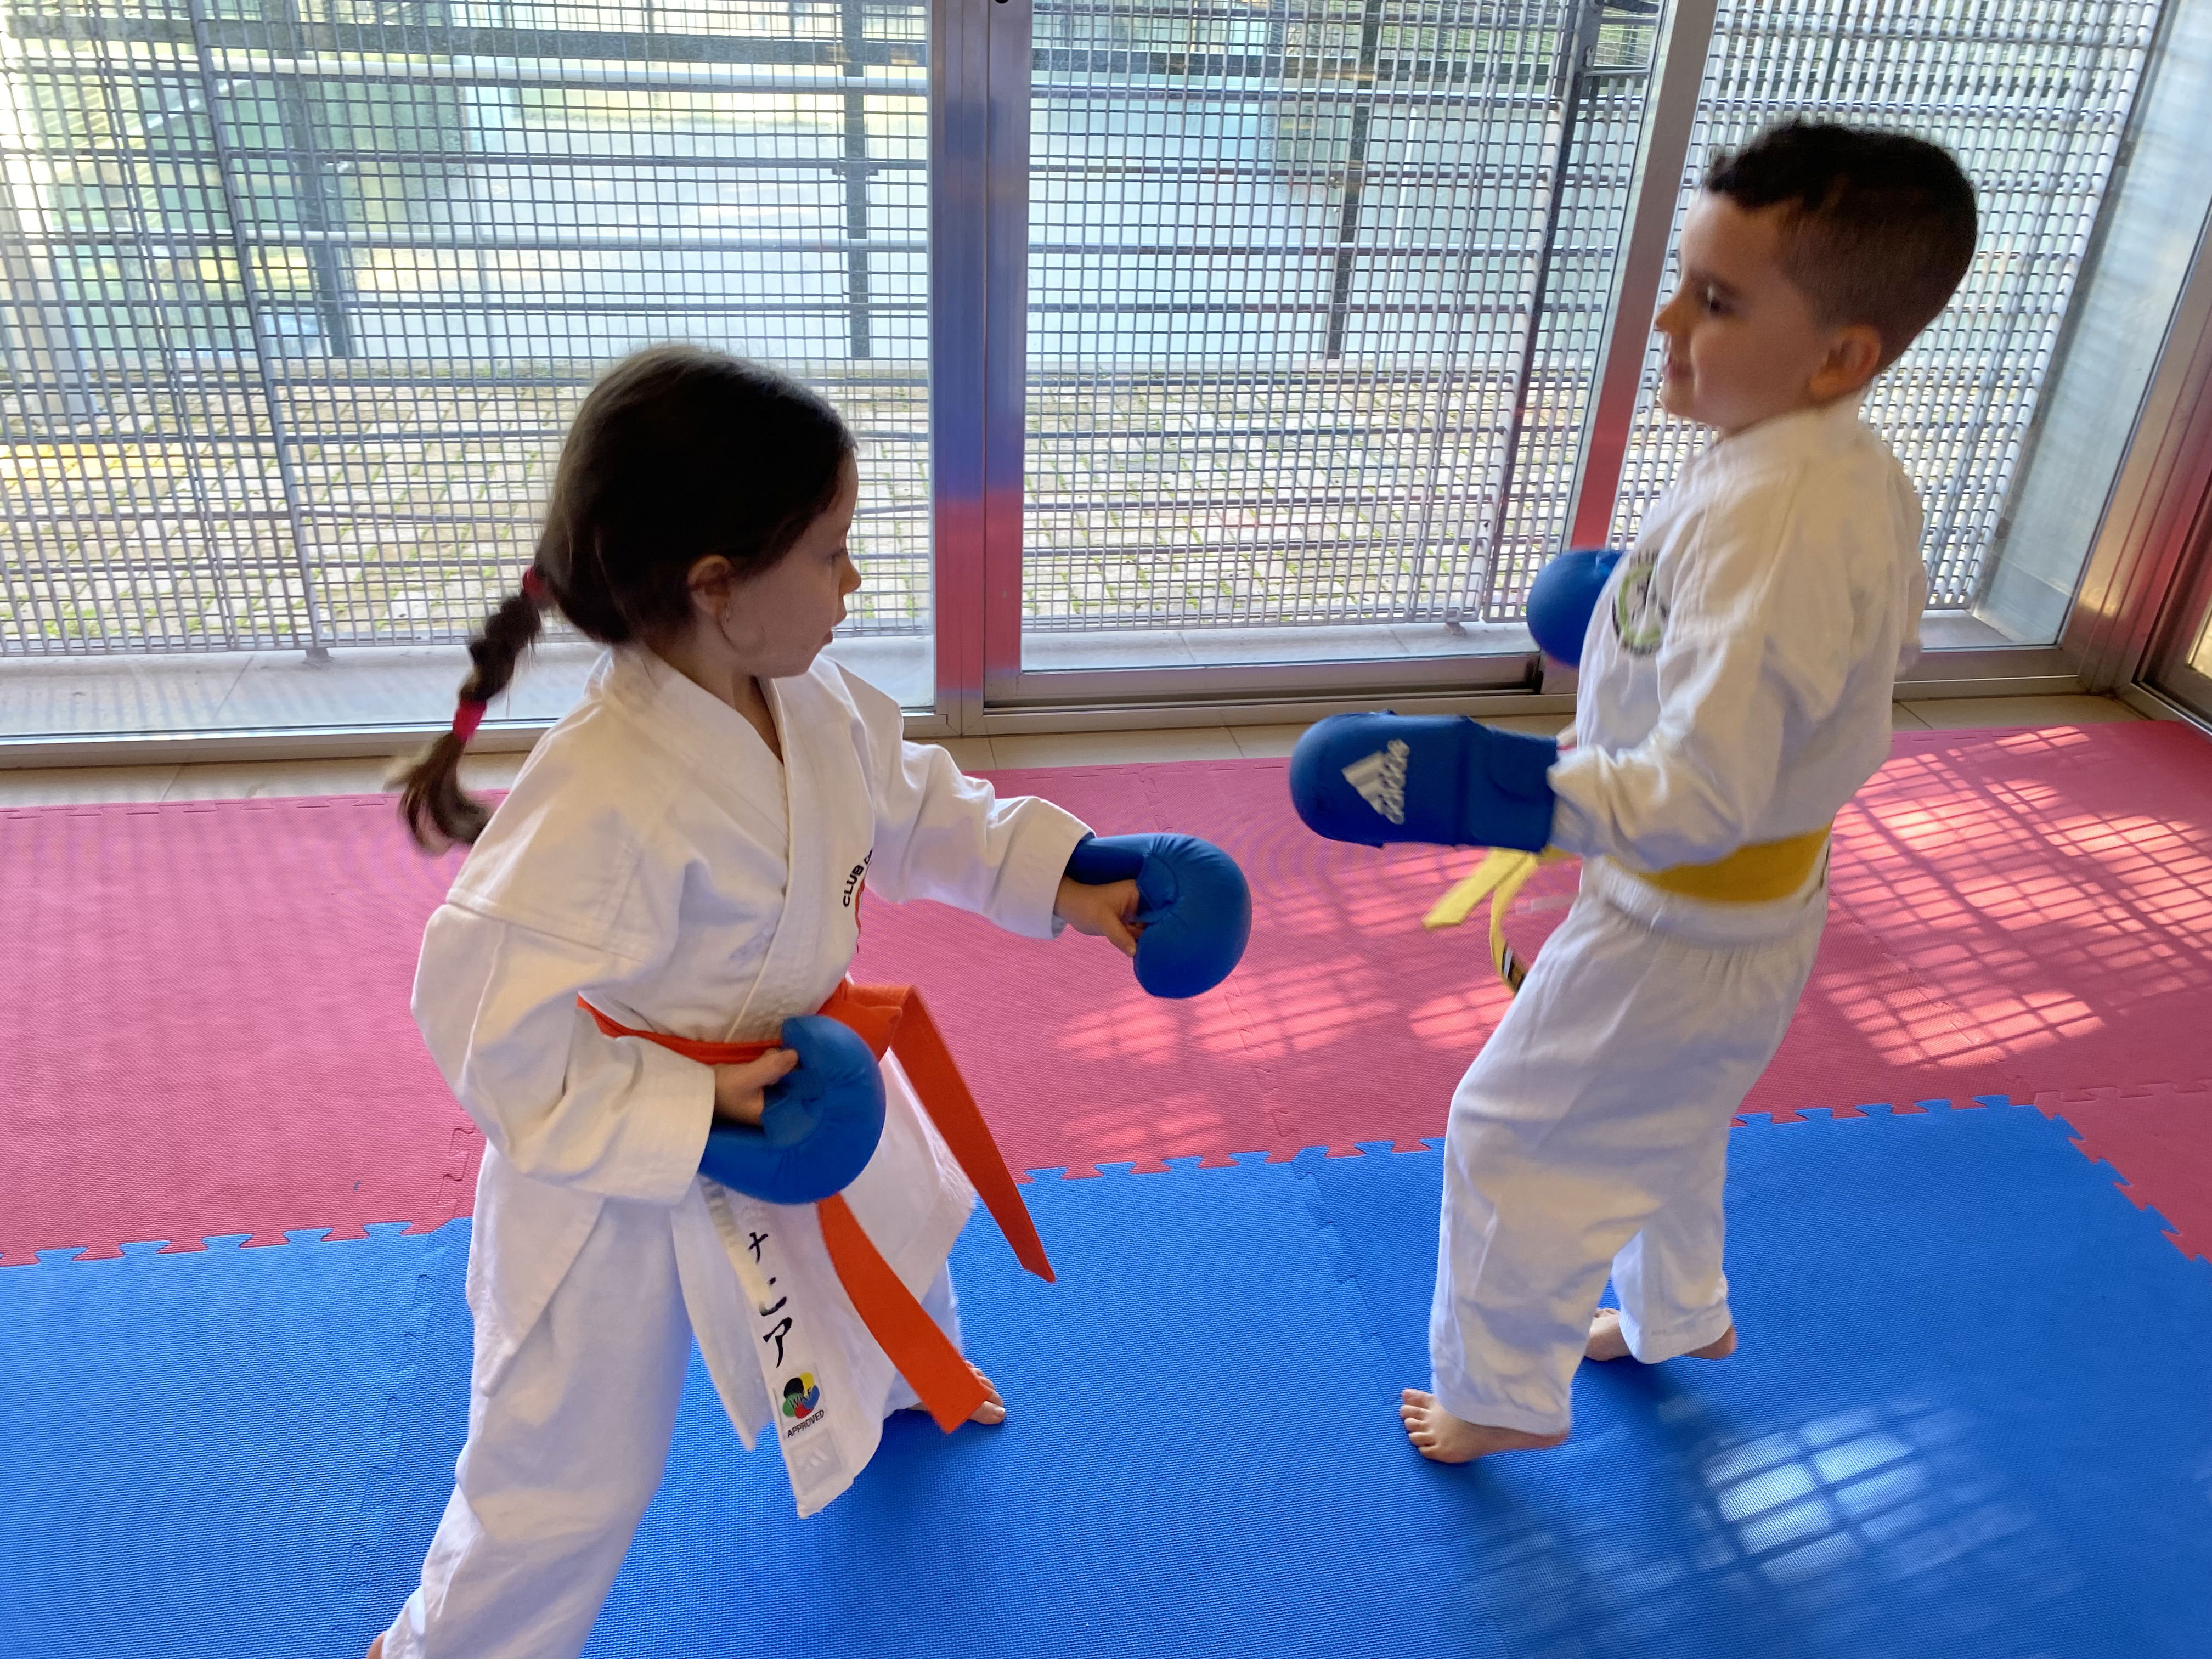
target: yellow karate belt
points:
(1756, 874)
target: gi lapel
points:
(827, 813)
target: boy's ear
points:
(1855, 357)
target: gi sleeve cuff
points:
(669, 1110)
(1029, 881)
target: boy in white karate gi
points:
(1737, 675)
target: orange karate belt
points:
(892, 1019)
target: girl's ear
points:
(710, 580)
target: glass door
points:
(2035, 98)
(300, 296)
(2184, 670)
(1313, 293)
(1337, 314)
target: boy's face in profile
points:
(1743, 342)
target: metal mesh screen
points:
(298, 294)
(1315, 288)
(2032, 96)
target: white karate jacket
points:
(656, 857)
(1737, 673)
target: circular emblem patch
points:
(1639, 618)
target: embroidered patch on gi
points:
(1639, 615)
(856, 885)
(1380, 779)
(801, 1394)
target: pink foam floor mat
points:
(204, 1016)
(206, 1005)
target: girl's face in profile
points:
(777, 622)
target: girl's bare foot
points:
(1606, 1342)
(1442, 1438)
(993, 1410)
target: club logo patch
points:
(1639, 615)
(1380, 779)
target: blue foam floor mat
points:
(1972, 1414)
(194, 1443)
(1969, 1419)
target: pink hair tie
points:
(533, 585)
(466, 718)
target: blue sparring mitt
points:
(1562, 598)
(1197, 911)
(819, 1126)
(1441, 779)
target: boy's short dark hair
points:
(1878, 227)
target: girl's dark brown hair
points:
(677, 454)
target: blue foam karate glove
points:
(1561, 598)
(819, 1123)
(1197, 911)
(1441, 779)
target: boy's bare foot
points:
(993, 1410)
(1606, 1342)
(1442, 1438)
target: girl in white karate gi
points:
(685, 851)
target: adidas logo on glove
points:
(1380, 779)
(1352, 778)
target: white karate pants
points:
(1592, 1130)
(565, 1454)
